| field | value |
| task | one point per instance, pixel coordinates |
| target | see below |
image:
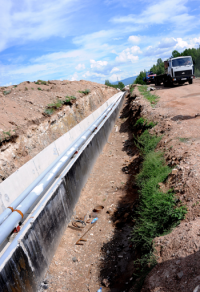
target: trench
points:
(107, 258)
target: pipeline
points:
(53, 196)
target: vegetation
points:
(14, 86)
(152, 98)
(5, 92)
(58, 104)
(184, 140)
(120, 84)
(144, 124)
(39, 82)
(87, 91)
(39, 88)
(158, 212)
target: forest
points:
(158, 68)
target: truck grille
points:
(183, 73)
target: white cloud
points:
(80, 67)
(114, 77)
(165, 11)
(115, 69)
(98, 64)
(93, 74)
(74, 77)
(167, 43)
(28, 20)
(128, 55)
(134, 39)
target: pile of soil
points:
(26, 128)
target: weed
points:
(39, 88)
(49, 111)
(86, 91)
(147, 142)
(7, 133)
(14, 86)
(68, 99)
(144, 123)
(131, 90)
(26, 88)
(32, 88)
(153, 99)
(39, 82)
(184, 140)
(157, 212)
(6, 92)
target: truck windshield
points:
(181, 62)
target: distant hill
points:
(126, 81)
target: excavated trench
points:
(111, 264)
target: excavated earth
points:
(25, 128)
(107, 257)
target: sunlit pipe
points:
(48, 178)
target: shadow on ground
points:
(117, 265)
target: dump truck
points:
(149, 78)
(177, 70)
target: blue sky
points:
(91, 40)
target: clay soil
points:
(106, 258)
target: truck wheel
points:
(190, 81)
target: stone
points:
(178, 262)
(106, 283)
(180, 275)
(197, 289)
(175, 171)
(74, 259)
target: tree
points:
(175, 54)
(139, 79)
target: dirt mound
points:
(34, 114)
(178, 252)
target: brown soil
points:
(25, 129)
(106, 258)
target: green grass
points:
(7, 133)
(157, 212)
(39, 82)
(144, 123)
(147, 142)
(153, 99)
(132, 89)
(68, 100)
(49, 111)
(14, 86)
(39, 88)
(26, 88)
(5, 92)
(184, 140)
(86, 91)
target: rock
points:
(106, 283)
(175, 171)
(180, 275)
(197, 289)
(44, 286)
(178, 262)
(74, 259)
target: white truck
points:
(177, 70)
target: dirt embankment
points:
(177, 115)
(25, 126)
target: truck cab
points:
(180, 69)
(149, 78)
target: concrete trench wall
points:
(24, 263)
